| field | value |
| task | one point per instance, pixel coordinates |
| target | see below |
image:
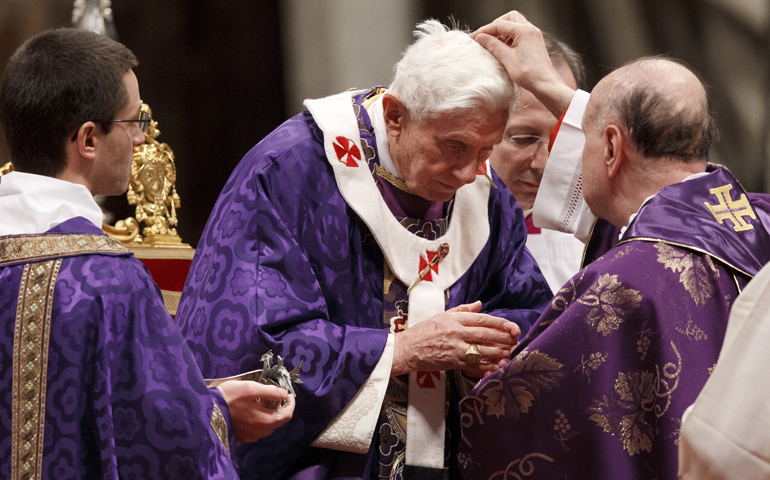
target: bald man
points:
(520, 161)
(598, 387)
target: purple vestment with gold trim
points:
(117, 392)
(285, 264)
(598, 387)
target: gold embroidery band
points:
(29, 248)
(392, 179)
(30, 368)
(219, 425)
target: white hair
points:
(445, 70)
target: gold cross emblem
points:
(731, 210)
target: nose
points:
(467, 172)
(539, 157)
(137, 136)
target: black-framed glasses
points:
(144, 121)
(526, 142)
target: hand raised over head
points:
(519, 46)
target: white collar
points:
(633, 215)
(377, 116)
(32, 204)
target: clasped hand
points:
(441, 341)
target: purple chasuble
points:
(598, 387)
(120, 390)
(285, 264)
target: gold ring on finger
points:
(473, 355)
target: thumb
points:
(484, 39)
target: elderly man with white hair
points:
(368, 242)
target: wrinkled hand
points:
(519, 46)
(440, 342)
(253, 420)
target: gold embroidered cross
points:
(731, 210)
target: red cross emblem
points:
(347, 151)
(425, 272)
(425, 379)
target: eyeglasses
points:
(528, 143)
(144, 121)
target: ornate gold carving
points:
(126, 231)
(152, 188)
(694, 271)
(729, 209)
(25, 248)
(524, 380)
(30, 368)
(7, 168)
(610, 303)
(219, 425)
(632, 411)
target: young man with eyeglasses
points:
(520, 160)
(98, 381)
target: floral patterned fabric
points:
(124, 397)
(284, 264)
(598, 388)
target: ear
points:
(86, 140)
(614, 149)
(394, 113)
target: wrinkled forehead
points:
(466, 120)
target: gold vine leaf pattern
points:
(593, 362)
(567, 295)
(693, 271)
(610, 303)
(639, 399)
(524, 466)
(524, 380)
(691, 331)
(622, 413)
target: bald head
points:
(662, 106)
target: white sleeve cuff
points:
(559, 204)
(353, 429)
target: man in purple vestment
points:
(97, 380)
(598, 387)
(356, 240)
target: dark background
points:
(212, 71)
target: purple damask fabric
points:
(598, 388)
(284, 264)
(125, 397)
